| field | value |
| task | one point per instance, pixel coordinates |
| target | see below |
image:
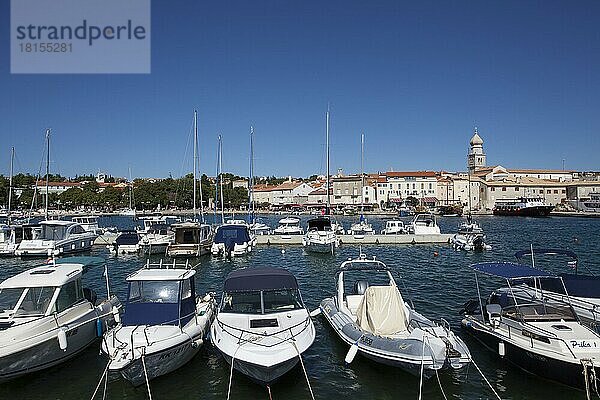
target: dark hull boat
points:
(537, 211)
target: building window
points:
(548, 191)
(504, 189)
(542, 191)
(564, 191)
(555, 191)
(493, 189)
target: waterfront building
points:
(396, 186)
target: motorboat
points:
(148, 223)
(424, 224)
(127, 242)
(394, 227)
(523, 206)
(233, 239)
(361, 228)
(538, 333)
(57, 238)
(369, 314)
(262, 326)
(157, 239)
(48, 317)
(10, 237)
(289, 226)
(163, 326)
(320, 236)
(470, 237)
(89, 223)
(192, 239)
(260, 228)
(583, 289)
(405, 211)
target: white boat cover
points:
(381, 311)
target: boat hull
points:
(263, 375)
(322, 248)
(568, 373)
(537, 211)
(188, 250)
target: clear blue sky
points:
(415, 77)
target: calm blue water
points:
(438, 287)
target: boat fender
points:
(197, 343)
(268, 242)
(413, 241)
(341, 241)
(501, 349)
(99, 328)
(116, 315)
(376, 241)
(351, 353)
(62, 339)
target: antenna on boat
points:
(47, 168)
(10, 181)
(327, 155)
(362, 175)
(251, 179)
(221, 177)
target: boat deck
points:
(353, 239)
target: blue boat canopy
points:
(509, 270)
(522, 253)
(253, 279)
(228, 234)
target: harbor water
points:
(435, 277)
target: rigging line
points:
(422, 369)
(231, 370)
(485, 379)
(312, 395)
(440, 383)
(185, 154)
(100, 381)
(146, 373)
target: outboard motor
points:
(229, 246)
(470, 307)
(478, 243)
(360, 287)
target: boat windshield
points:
(262, 302)
(36, 301)
(154, 292)
(9, 298)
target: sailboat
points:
(129, 212)
(10, 235)
(232, 238)
(192, 238)
(321, 236)
(56, 237)
(362, 227)
(256, 227)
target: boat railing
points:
(170, 265)
(304, 324)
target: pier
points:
(355, 239)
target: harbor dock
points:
(363, 239)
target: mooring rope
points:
(312, 395)
(422, 369)
(231, 370)
(269, 391)
(146, 374)
(485, 379)
(100, 381)
(585, 363)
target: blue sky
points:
(415, 77)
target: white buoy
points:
(282, 251)
(116, 315)
(501, 349)
(351, 353)
(315, 312)
(62, 339)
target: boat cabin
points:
(59, 230)
(319, 224)
(232, 234)
(191, 233)
(260, 291)
(160, 296)
(42, 291)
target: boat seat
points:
(360, 287)
(353, 301)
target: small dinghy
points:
(163, 325)
(470, 237)
(375, 322)
(262, 326)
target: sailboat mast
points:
(221, 178)
(327, 152)
(130, 190)
(251, 179)
(10, 181)
(362, 172)
(195, 156)
(47, 168)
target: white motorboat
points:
(262, 326)
(320, 237)
(394, 227)
(148, 223)
(470, 237)
(538, 333)
(157, 239)
(127, 242)
(10, 237)
(163, 326)
(289, 226)
(89, 224)
(57, 238)
(48, 317)
(375, 321)
(361, 228)
(260, 228)
(192, 239)
(233, 239)
(424, 224)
